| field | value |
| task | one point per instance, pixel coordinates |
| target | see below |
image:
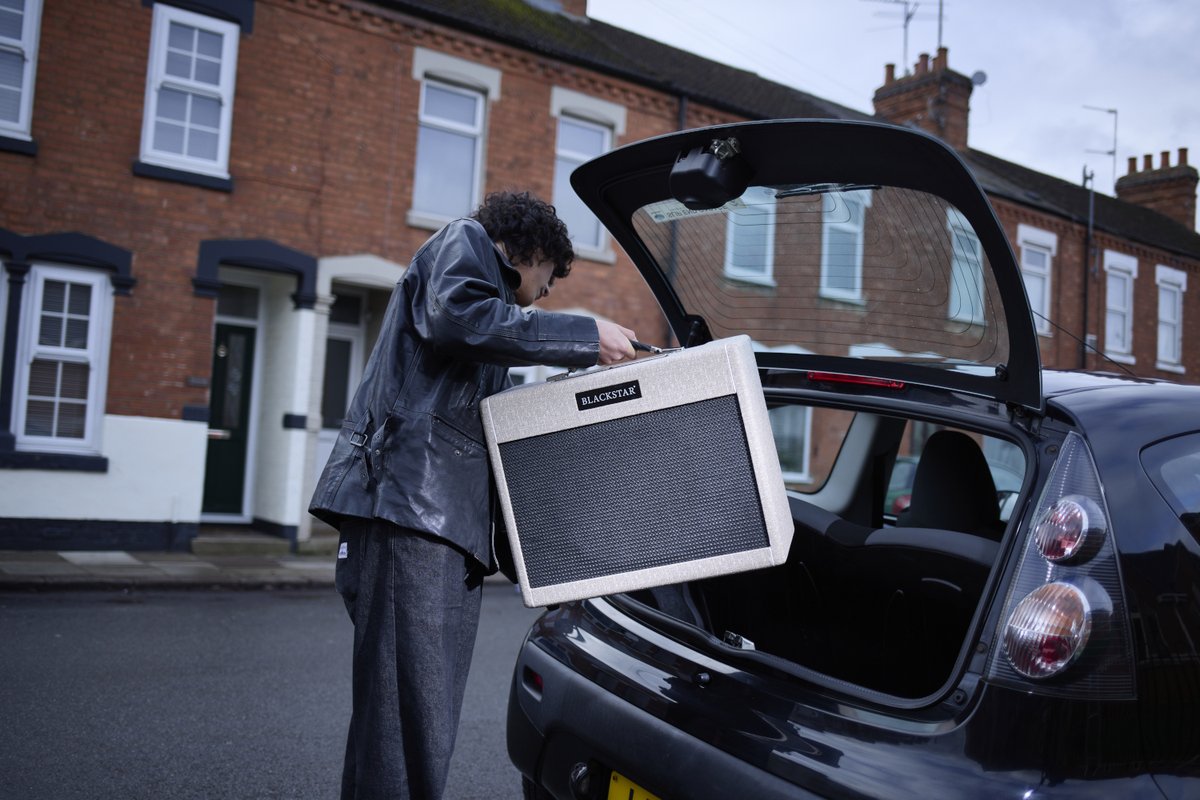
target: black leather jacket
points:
(411, 450)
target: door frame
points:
(248, 481)
(357, 336)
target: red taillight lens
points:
(1068, 528)
(533, 680)
(1047, 630)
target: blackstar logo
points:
(608, 395)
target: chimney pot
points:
(923, 64)
(1183, 156)
(1147, 162)
(1165, 159)
(1133, 165)
(889, 74)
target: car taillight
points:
(1064, 629)
(1065, 530)
(1047, 630)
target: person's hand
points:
(614, 342)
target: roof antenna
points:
(910, 10)
(939, 24)
(1112, 152)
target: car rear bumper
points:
(546, 740)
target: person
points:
(408, 483)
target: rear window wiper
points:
(825, 188)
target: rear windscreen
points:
(853, 271)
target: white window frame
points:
(1173, 282)
(956, 224)
(95, 355)
(1123, 268)
(1031, 239)
(157, 78)
(586, 111)
(27, 48)
(861, 200)
(765, 276)
(456, 75)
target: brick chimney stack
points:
(1171, 191)
(934, 98)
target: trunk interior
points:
(880, 592)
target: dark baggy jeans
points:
(414, 601)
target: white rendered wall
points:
(155, 474)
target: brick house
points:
(203, 214)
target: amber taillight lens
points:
(1047, 630)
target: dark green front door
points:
(229, 420)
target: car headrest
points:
(953, 488)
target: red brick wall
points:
(322, 155)
(1061, 349)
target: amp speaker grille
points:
(642, 491)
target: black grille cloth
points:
(642, 491)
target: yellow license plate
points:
(621, 788)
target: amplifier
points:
(653, 472)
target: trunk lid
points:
(844, 247)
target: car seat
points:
(953, 489)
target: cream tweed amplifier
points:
(654, 472)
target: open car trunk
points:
(885, 305)
(883, 592)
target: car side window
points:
(808, 440)
(1174, 468)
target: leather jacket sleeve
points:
(467, 311)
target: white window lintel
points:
(1169, 276)
(452, 69)
(576, 104)
(1027, 234)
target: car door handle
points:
(218, 433)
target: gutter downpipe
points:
(1090, 183)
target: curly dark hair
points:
(528, 228)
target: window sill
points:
(605, 256)
(845, 299)
(66, 462)
(1166, 366)
(430, 222)
(1120, 358)
(171, 175)
(14, 144)
(751, 280)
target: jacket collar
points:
(511, 275)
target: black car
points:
(952, 649)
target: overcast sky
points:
(1044, 61)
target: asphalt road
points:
(207, 694)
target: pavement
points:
(56, 570)
(218, 560)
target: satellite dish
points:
(979, 78)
